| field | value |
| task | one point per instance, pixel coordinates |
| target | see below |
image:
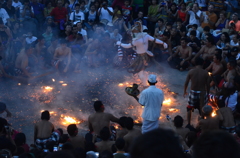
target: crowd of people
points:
(200, 36)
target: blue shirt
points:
(37, 8)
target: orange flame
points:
(167, 101)
(173, 110)
(214, 113)
(69, 120)
(64, 84)
(120, 84)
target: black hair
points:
(216, 144)
(63, 41)
(97, 105)
(184, 39)
(120, 143)
(199, 61)
(227, 36)
(105, 154)
(20, 139)
(160, 19)
(178, 121)
(210, 39)
(218, 56)
(179, 20)
(45, 115)
(105, 133)
(206, 28)
(121, 121)
(232, 62)
(219, 51)
(60, 130)
(77, 5)
(72, 130)
(157, 143)
(29, 46)
(195, 25)
(193, 33)
(129, 123)
(79, 153)
(60, 154)
(166, 33)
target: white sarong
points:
(149, 125)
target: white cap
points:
(152, 78)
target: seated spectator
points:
(11, 12)
(93, 120)
(224, 41)
(230, 73)
(6, 141)
(178, 123)
(123, 130)
(206, 31)
(83, 7)
(180, 59)
(30, 39)
(172, 13)
(120, 153)
(175, 38)
(105, 12)
(91, 17)
(6, 34)
(181, 28)
(182, 14)
(77, 15)
(132, 134)
(140, 17)
(105, 143)
(235, 40)
(38, 12)
(159, 30)
(4, 15)
(82, 31)
(194, 27)
(3, 108)
(17, 5)
(194, 42)
(194, 15)
(20, 141)
(59, 13)
(222, 22)
(209, 18)
(216, 144)
(76, 140)
(48, 35)
(48, 9)
(116, 35)
(234, 23)
(160, 142)
(216, 68)
(60, 154)
(43, 130)
(209, 123)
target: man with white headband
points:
(140, 42)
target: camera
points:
(60, 146)
(55, 148)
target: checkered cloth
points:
(42, 143)
(194, 99)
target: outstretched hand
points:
(184, 94)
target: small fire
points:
(61, 81)
(53, 80)
(214, 113)
(69, 120)
(120, 84)
(116, 126)
(47, 88)
(136, 121)
(19, 84)
(64, 84)
(167, 101)
(173, 110)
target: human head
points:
(183, 6)
(72, 130)
(59, 3)
(195, 7)
(165, 36)
(222, 15)
(173, 6)
(211, 8)
(206, 29)
(168, 25)
(121, 121)
(98, 106)
(45, 115)
(152, 79)
(225, 37)
(193, 34)
(173, 31)
(63, 43)
(235, 16)
(179, 22)
(154, 2)
(77, 7)
(20, 139)
(235, 37)
(216, 144)
(194, 27)
(105, 133)
(41, 40)
(217, 58)
(140, 14)
(209, 41)
(207, 110)
(29, 48)
(184, 42)
(120, 143)
(157, 143)
(93, 8)
(234, 51)
(129, 123)
(160, 22)
(126, 2)
(68, 28)
(178, 121)
(232, 63)
(218, 51)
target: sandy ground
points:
(76, 98)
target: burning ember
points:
(116, 126)
(167, 102)
(64, 84)
(61, 81)
(53, 80)
(209, 73)
(47, 88)
(120, 84)
(19, 84)
(66, 120)
(173, 110)
(214, 113)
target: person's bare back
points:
(217, 69)
(43, 129)
(129, 138)
(225, 115)
(182, 131)
(199, 79)
(210, 123)
(104, 145)
(77, 141)
(99, 120)
(22, 60)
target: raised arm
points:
(124, 45)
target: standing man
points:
(198, 95)
(152, 99)
(105, 12)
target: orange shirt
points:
(212, 17)
(236, 24)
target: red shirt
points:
(59, 14)
(182, 15)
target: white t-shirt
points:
(83, 32)
(4, 15)
(78, 16)
(152, 99)
(31, 40)
(16, 5)
(105, 15)
(233, 44)
(192, 18)
(231, 101)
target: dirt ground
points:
(76, 97)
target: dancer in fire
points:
(140, 42)
(198, 95)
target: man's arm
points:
(175, 54)
(199, 53)
(69, 60)
(209, 67)
(55, 54)
(189, 54)
(186, 84)
(109, 11)
(90, 125)
(124, 45)
(24, 65)
(113, 118)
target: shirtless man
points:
(63, 56)
(105, 144)
(216, 69)
(76, 140)
(178, 123)
(21, 63)
(181, 57)
(225, 115)
(230, 73)
(43, 130)
(206, 52)
(209, 122)
(198, 96)
(100, 119)
(132, 133)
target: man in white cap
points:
(151, 98)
